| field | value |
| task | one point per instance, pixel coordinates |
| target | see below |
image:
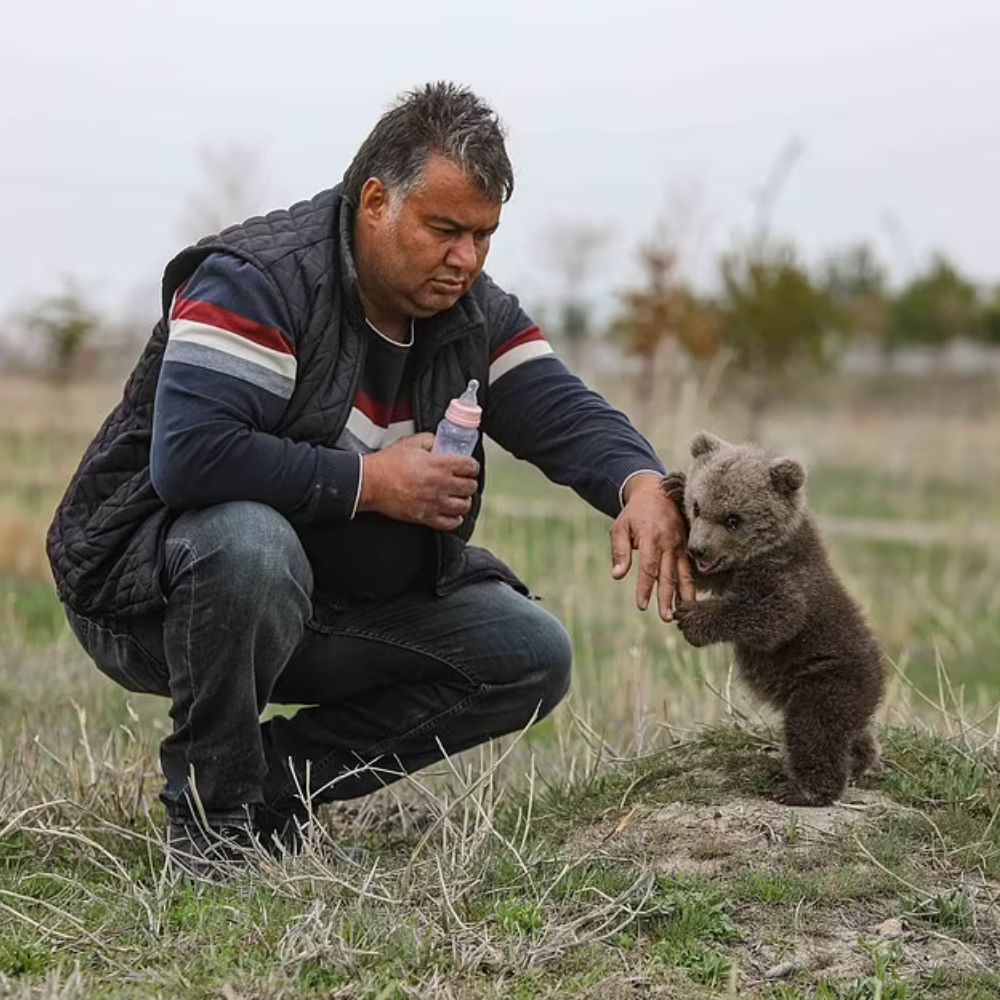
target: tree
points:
(990, 329)
(855, 282)
(66, 324)
(774, 319)
(936, 307)
(659, 313)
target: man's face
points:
(425, 248)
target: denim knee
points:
(533, 675)
(554, 653)
(249, 546)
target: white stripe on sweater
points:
(188, 331)
(371, 435)
(527, 351)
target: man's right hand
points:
(407, 482)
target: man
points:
(261, 518)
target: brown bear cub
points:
(801, 642)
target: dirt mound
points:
(726, 836)
(811, 901)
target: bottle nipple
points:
(464, 410)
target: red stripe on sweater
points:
(383, 414)
(224, 319)
(526, 336)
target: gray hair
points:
(441, 118)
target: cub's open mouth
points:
(706, 566)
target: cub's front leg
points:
(760, 619)
(703, 622)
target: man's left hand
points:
(651, 524)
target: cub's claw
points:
(791, 793)
(692, 622)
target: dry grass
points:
(626, 847)
(568, 867)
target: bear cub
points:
(801, 643)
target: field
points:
(623, 848)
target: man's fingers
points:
(462, 487)
(424, 441)
(454, 507)
(462, 467)
(685, 578)
(649, 570)
(621, 549)
(441, 522)
(667, 586)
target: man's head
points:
(427, 186)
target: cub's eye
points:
(732, 521)
(696, 510)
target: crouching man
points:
(261, 519)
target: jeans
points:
(386, 688)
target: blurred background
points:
(775, 220)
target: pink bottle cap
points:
(465, 411)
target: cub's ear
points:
(704, 444)
(787, 475)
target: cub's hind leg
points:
(818, 743)
(865, 755)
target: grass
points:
(469, 891)
(627, 846)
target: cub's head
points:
(740, 502)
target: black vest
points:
(105, 544)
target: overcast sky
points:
(618, 111)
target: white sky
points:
(616, 109)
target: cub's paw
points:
(791, 793)
(694, 622)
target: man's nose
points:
(462, 254)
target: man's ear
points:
(704, 444)
(787, 476)
(374, 200)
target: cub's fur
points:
(801, 642)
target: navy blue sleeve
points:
(539, 411)
(229, 369)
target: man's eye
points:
(733, 521)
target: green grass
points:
(30, 613)
(843, 490)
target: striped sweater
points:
(230, 367)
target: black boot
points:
(215, 846)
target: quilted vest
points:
(105, 543)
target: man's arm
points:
(539, 411)
(229, 369)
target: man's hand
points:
(408, 483)
(651, 523)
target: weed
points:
(954, 910)
(793, 830)
(518, 918)
(18, 958)
(704, 965)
